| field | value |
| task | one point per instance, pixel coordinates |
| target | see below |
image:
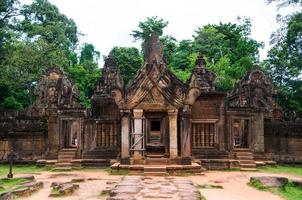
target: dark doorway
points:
(155, 133)
(241, 130)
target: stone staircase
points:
(65, 158)
(156, 170)
(245, 158)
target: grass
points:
(17, 169)
(288, 192)
(121, 172)
(104, 194)
(8, 184)
(209, 186)
(285, 169)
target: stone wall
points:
(283, 141)
(26, 136)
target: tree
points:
(229, 50)
(147, 27)
(89, 53)
(129, 60)
(41, 38)
(284, 60)
(86, 73)
(8, 11)
(42, 20)
(284, 3)
(284, 63)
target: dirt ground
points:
(234, 184)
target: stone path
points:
(147, 188)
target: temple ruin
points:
(155, 119)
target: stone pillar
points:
(186, 136)
(125, 128)
(138, 131)
(173, 133)
(53, 135)
(258, 132)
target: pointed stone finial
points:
(201, 77)
(110, 61)
(200, 61)
(154, 49)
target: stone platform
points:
(158, 170)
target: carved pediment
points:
(253, 90)
(154, 82)
(111, 83)
(55, 91)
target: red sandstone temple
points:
(156, 119)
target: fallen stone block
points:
(270, 181)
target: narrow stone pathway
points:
(147, 188)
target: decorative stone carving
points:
(200, 81)
(254, 90)
(154, 81)
(55, 91)
(111, 83)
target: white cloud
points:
(109, 23)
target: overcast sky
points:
(108, 23)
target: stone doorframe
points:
(62, 136)
(138, 129)
(231, 130)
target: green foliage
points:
(129, 60)
(257, 184)
(89, 56)
(229, 50)
(85, 80)
(41, 38)
(284, 3)
(43, 20)
(10, 103)
(290, 192)
(147, 27)
(284, 62)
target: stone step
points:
(247, 165)
(155, 169)
(241, 150)
(246, 161)
(67, 153)
(248, 169)
(66, 157)
(156, 174)
(68, 150)
(244, 154)
(63, 160)
(63, 165)
(156, 161)
(155, 155)
(245, 157)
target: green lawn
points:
(7, 184)
(290, 192)
(4, 169)
(287, 169)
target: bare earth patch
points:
(98, 184)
